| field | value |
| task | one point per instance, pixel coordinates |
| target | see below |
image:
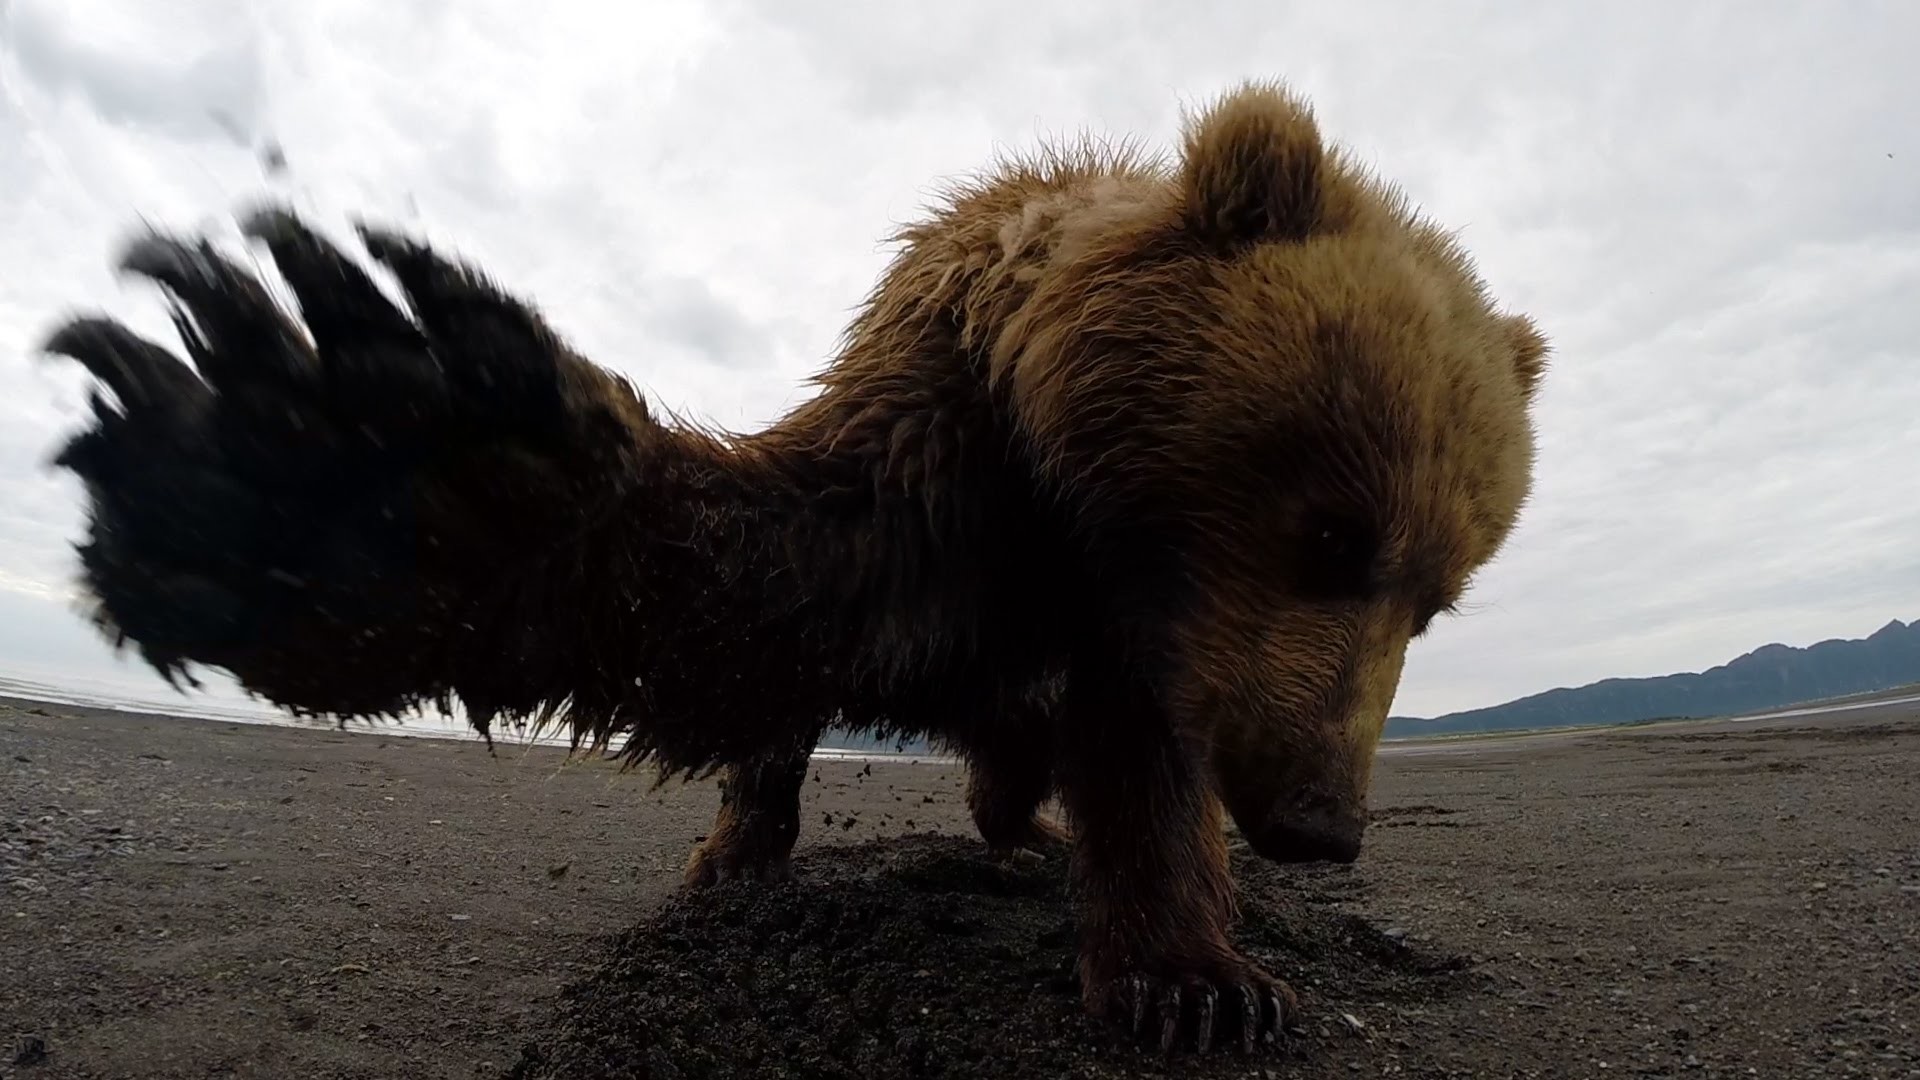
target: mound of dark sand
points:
(922, 957)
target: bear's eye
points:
(1335, 545)
(1338, 558)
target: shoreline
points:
(22, 692)
(401, 729)
(1903, 699)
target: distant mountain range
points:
(1770, 677)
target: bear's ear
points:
(1529, 351)
(1254, 169)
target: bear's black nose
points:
(1312, 833)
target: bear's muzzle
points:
(1312, 831)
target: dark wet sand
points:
(184, 898)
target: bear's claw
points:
(1167, 1008)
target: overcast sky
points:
(1712, 208)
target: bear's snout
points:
(1309, 832)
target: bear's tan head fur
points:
(1263, 375)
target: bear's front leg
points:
(759, 820)
(1152, 880)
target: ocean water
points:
(64, 689)
(221, 702)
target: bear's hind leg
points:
(1153, 882)
(758, 822)
(1010, 774)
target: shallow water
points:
(231, 707)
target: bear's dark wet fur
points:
(1130, 483)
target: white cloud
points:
(1710, 208)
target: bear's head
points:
(1287, 424)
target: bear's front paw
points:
(1197, 1005)
(721, 858)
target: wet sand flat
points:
(186, 898)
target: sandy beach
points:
(192, 898)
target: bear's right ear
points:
(1254, 169)
(1530, 350)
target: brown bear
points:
(1131, 482)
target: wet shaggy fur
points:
(1131, 481)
